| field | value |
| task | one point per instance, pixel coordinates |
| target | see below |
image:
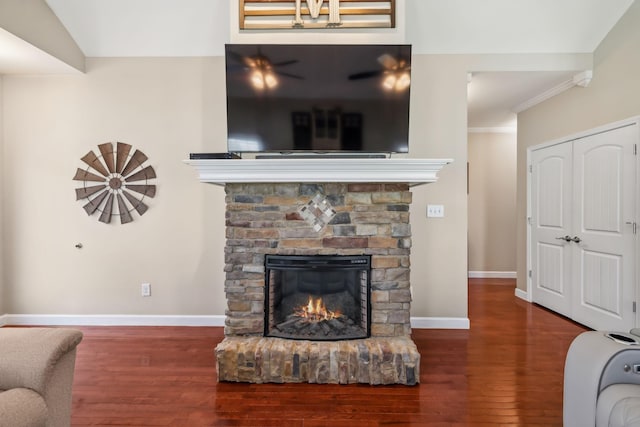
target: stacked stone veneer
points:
(370, 219)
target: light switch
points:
(435, 211)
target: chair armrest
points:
(22, 407)
(588, 357)
(28, 355)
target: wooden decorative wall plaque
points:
(282, 14)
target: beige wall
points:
(438, 130)
(492, 202)
(439, 261)
(611, 96)
(168, 108)
(2, 304)
(160, 106)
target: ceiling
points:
(19, 57)
(113, 28)
(494, 98)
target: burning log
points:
(316, 311)
(338, 325)
(314, 321)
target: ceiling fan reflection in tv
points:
(395, 72)
(263, 74)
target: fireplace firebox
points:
(318, 297)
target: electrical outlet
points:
(435, 211)
(145, 289)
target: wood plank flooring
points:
(505, 371)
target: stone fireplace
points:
(355, 220)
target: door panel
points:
(551, 220)
(601, 182)
(604, 193)
(550, 271)
(600, 272)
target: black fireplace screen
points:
(320, 297)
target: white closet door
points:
(551, 185)
(604, 242)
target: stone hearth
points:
(382, 360)
(370, 219)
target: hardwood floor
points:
(506, 370)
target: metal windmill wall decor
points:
(118, 174)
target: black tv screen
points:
(318, 98)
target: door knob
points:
(565, 238)
(576, 239)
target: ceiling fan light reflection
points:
(389, 82)
(263, 79)
(257, 79)
(403, 82)
(270, 80)
(398, 81)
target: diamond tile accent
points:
(318, 212)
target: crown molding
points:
(581, 79)
(504, 129)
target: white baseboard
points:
(440, 323)
(492, 274)
(111, 320)
(149, 320)
(523, 295)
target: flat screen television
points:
(318, 98)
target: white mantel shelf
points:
(405, 170)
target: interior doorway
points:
(494, 99)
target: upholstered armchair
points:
(36, 376)
(602, 381)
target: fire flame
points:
(315, 311)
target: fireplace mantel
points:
(406, 170)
